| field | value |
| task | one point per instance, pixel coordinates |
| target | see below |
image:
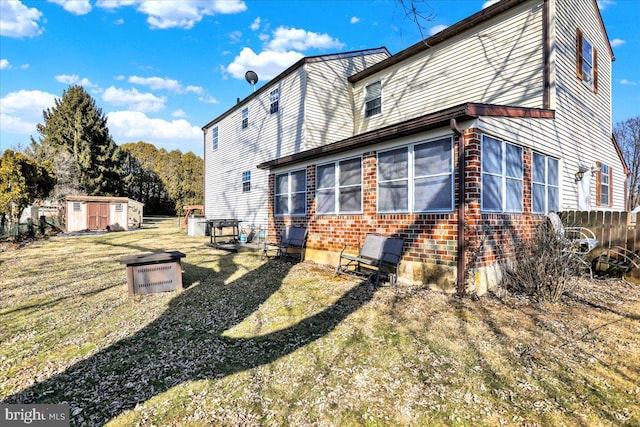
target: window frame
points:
(244, 124)
(337, 187)
(604, 190)
(504, 178)
(246, 181)
(411, 177)
(546, 185)
(215, 136)
(289, 193)
(366, 113)
(274, 101)
(589, 79)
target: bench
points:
(378, 255)
(290, 244)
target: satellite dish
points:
(252, 78)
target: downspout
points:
(461, 217)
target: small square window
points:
(274, 100)
(245, 118)
(246, 181)
(76, 207)
(118, 207)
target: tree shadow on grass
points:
(186, 343)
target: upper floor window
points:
(245, 118)
(214, 138)
(418, 178)
(586, 61)
(604, 195)
(291, 193)
(373, 99)
(502, 170)
(274, 101)
(545, 184)
(339, 187)
(246, 181)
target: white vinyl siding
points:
(417, 178)
(502, 174)
(545, 191)
(291, 193)
(498, 62)
(339, 187)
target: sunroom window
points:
(545, 184)
(291, 193)
(339, 187)
(502, 172)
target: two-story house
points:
(461, 144)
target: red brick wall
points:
(428, 237)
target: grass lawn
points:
(269, 343)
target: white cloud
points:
(208, 99)
(127, 126)
(235, 36)
(18, 20)
(285, 38)
(437, 28)
(160, 83)
(255, 25)
(179, 113)
(617, 42)
(354, 20)
(177, 14)
(119, 21)
(628, 82)
(4, 64)
(157, 83)
(488, 3)
(602, 4)
(74, 80)
(267, 64)
(77, 7)
(137, 101)
(21, 111)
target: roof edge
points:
(467, 111)
(299, 63)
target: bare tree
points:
(419, 12)
(627, 134)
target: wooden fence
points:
(611, 228)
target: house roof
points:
(291, 69)
(454, 30)
(105, 199)
(467, 111)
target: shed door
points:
(97, 216)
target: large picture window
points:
(501, 176)
(339, 187)
(291, 193)
(417, 178)
(545, 184)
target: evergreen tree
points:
(76, 125)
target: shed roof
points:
(467, 111)
(105, 199)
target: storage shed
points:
(102, 213)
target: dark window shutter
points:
(579, 54)
(595, 70)
(610, 187)
(598, 184)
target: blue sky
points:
(160, 70)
